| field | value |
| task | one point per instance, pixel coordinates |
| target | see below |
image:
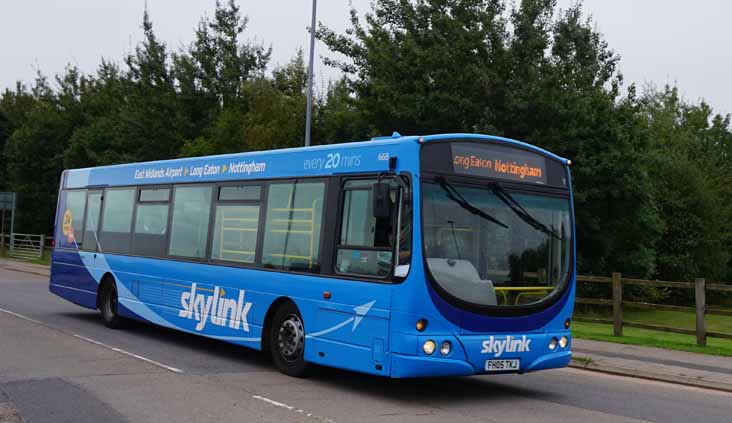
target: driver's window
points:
(366, 243)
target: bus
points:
(402, 256)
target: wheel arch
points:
(276, 304)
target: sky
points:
(659, 41)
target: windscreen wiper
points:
(521, 212)
(454, 195)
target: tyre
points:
(287, 341)
(108, 305)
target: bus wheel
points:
(108, 305)
(287, 341)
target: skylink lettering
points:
(509, 345)
(220, 311)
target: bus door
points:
(368, 261)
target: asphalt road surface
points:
(58, 363)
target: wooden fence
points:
(699, 286)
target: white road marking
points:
(20, 316)
(291, 408)
(127, 353)
(101, 344)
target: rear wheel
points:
(287, 341)
(108, 305)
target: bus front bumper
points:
(404, 366)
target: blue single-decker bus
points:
(401, 256)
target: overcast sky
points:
(688, 43)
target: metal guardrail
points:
(27, 246)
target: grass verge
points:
(674, 319)
(649, 338)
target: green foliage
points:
(34, 154)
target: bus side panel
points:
(230, 304)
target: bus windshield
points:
(490, 246)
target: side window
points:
(116, 233)
(236, 224)
(367, 243)
(91, 227)
(73, 219)
(151, 222)
(189, 230)
(292, 227)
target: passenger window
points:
(235, 233)
(117, 220)
(292, 228)
(73, 219)
(189, 230)
(366, 243)
(151, 219)
(93, 210)
(151, 223)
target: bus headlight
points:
(553, 344)
(429, 347)
(445, 348)
(563, 341)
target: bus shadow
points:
(436, 391)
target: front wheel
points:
(287, 341)
(108, 305)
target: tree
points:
(423, 66)
(693, 193)
(211, 77)
(14, 106)
(426, 66)
(34, 155)
(338, 117)
(148, 118)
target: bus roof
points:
(351, 157)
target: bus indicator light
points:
(421, 325)
(326, 295)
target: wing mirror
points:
(381, 204)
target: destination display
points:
(494, 161)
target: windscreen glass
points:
(490, 246)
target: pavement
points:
(692, 369)
(59, 363)
(24, 267)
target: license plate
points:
(502, 365)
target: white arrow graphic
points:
(361, 312)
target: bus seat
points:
(460, 278)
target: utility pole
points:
(309, 113)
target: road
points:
(59, 363)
